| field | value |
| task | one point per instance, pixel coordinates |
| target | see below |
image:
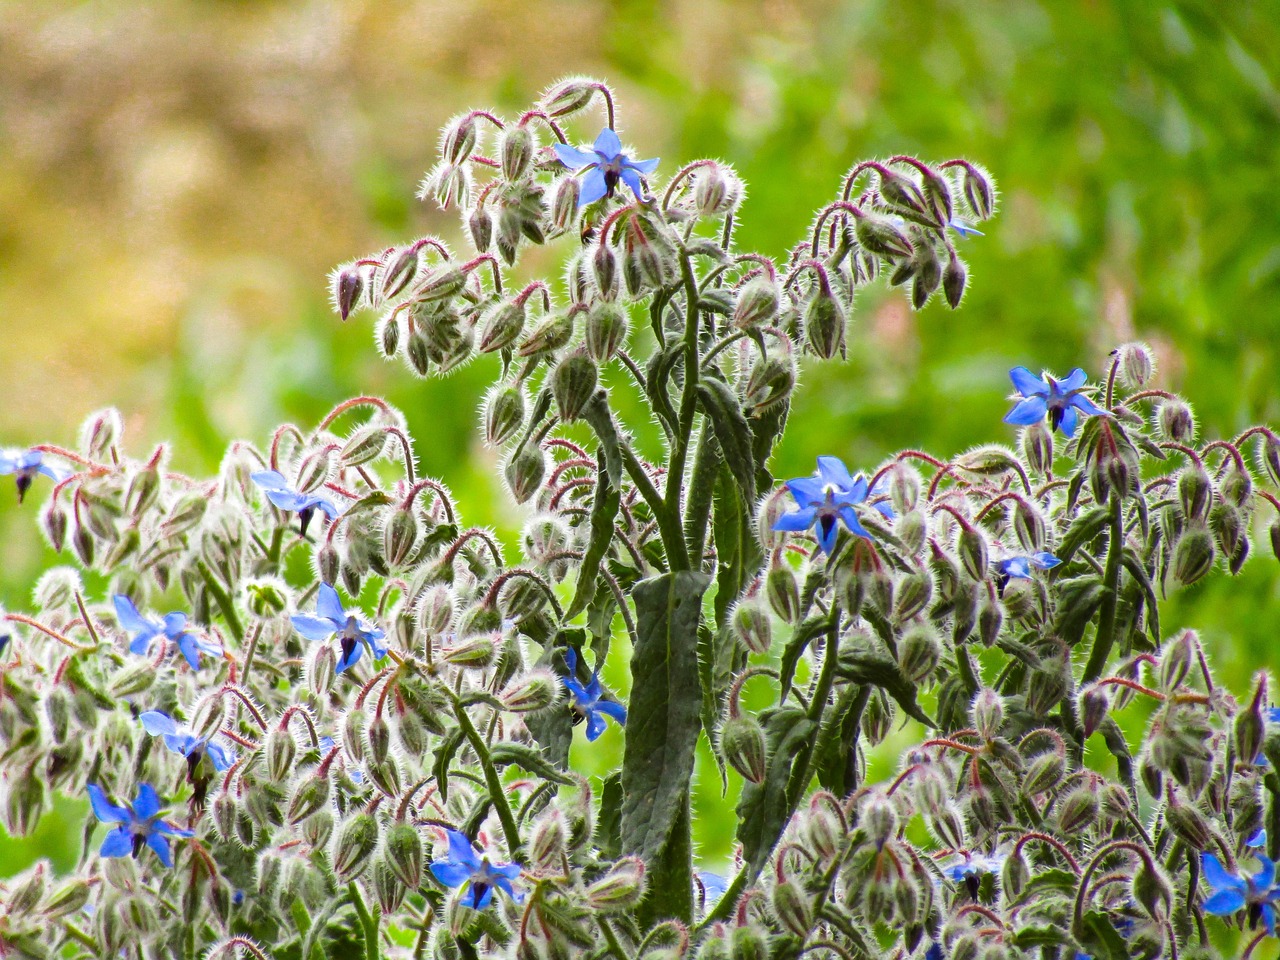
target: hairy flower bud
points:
(914, 592)
(607, 327)
(919, 652)
(783, 593)
(1151, 890)
(954, 279)
(988, 713)
(573, 383)
(536, 690)
(1194, 490)
(880, 820)
(1137, 364)
(742, 744)
(717, 191)
(877, 719)
(881, 237)
(309, 795)
(824, 323)
(1095, 704)
(516, 151)
(972, 548)
(621, 889)
(355, 844)
(751, 624)
(1176, 421)
(525, 470)
(793, 907)
(979, 191)
(757, 303)
(772, 379)
(66, 899)
(1037, 447)
(1077, 810)
(1189, 824)
(1043, 773)
(501, 326)
(404, 854)
(1193, 556)
(504, 409)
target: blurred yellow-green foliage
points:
(176, 179)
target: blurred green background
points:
(178, 178)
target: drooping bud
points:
(881, 236)
(979, 191)
(880, 820)
(459, 138)
(525, 470)
(501, 327)
(1043, 773)
(771, 381)
(1137, 364)
(355, 844)
(568, 97)
(620, 889)
(1176, 421)
(751, 625)
(1152, 890)
(310, 795)
(1095, 704)
(927, 276)
(607, 327)
(954, 279)
(824, 323)
(1077, 810)
(573, 383)
(536, 690)
(504, 410)
(1037, 447)
(516, 151)
(972, 548)
(919, 652)
(403, 849)
(783, 593)
(480, 226)
(742, 744)
(793, 908)
(757, 303)
(1193, 555)
(1194, 491)
(348, 288)
(988, 713)
(1176, 659)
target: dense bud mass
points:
(310, 706)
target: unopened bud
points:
(607, 327)
(1095, 703)
(399, 536)
(954, 279)
(1077, 811)
(1043, 773)
(310, 795)
(517, 151)
(717, 191)
(1189, 824)
(604, 267)
(988, 713)
(1152, 890)
(1136, 364)
(501, 327)
(1194, 490)
(771, 381)
(525, 470)
(927, 277)
(979, 192)
(620, 889)
(534, 691)
(880, 820)
(548, 840)
(1015, 875)
(348, 288)
(972, 549)
(1176, 421)
(919, 652)
(824, 323)
(568, 97)
(400, 272)
(355, 844)
(480, 226)
(757, 303)
(742, 744)
(1037, 447)
(573, 383)
(783, 593)
(914, 592)
(66, 899)
(881, 237)
(793, 908)
(877, 719)
(752, 626)
(1193, 555)
(564, 203)
(403, 849)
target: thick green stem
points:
(689, 394)
(497, 793)
(668, 522)
(1106, 635)
(701, 486)
(368, 922)
(223, 599)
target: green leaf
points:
(1133, 563)
(1077, 601)
(765, 431)
(1083, 529)
(801, 636)
(609, 822)
(833, 756)
(444, 756)
(763, 809)
(863, 666)
(505, 752)
(1100, 939)
(663, 716)
(734, 435)
(1114, 738)
(604, 510)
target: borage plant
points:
(344, 718)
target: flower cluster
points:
(1001, 609)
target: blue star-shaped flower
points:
(285, 497)
(24, 465)
(1231, 892)
(587, 701)
(971, 866)
(466, 864)
(606, 164)
(352, 630)
(173, 627)
(139, 824)
(1061, 400)
(714, 886)
(1019, 568)
(964, 228)
(828, 497)
(184, 741)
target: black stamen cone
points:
(304, 519)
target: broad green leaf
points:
(1077, 601)
(598, 415)
(763, 809)
(722, 409)
(505, 752)
(863, 666)
(833, 756)
(663, 716)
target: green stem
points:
(248, 657)
(368, 922)
(611, 939)
(1105, 636)
(689, 394)
(668, 524)
(497, 792)
(223, 600)
(701, 487)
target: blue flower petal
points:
(1265, 878)
(451, 874)
(1259, 837)
(571, 663)
(461, 850)
(117, 843)
(850, 518)
(270, 480)
(129, 617)
(595, 725)
(807, 491)
(326, 507)
(1087, 406)
(1216, 875)
(313, 628)
(573, 158)
(143, 640)
(156, 723)
(1074, 380)
(1224, 903)
(147, 804)
(160, 844)
(169, 830)
(826, 530)
(183, 743)
(510, 871)
(643, 166)
(329, 605)
(187, 647)
(593, 187)
(174, 623)
(349, 659)
(856, 493)
(1027, 383)
(288, 500)
(611, 708)
(1070, 419)
(594, 689)
(632, 180)
(576, 690)
(103, 809)
(222, 759)
(607, 144)
(1028, 411)
(833, 471)
(1045, 561)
